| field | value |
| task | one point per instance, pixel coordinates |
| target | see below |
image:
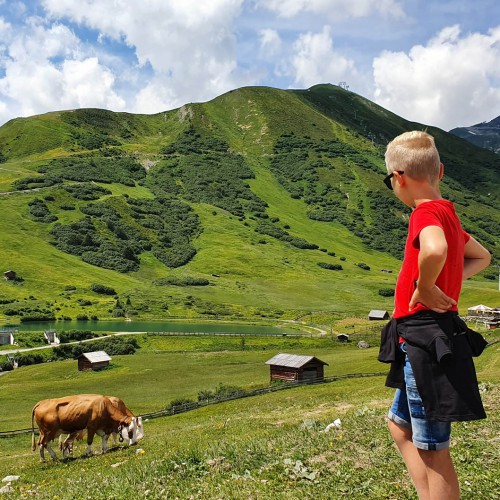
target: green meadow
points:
(261, 206)
(267, 446)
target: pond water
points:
(152, 326)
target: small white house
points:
(51, 337)
(6, 338)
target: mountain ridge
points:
(485, 134)
(260, 193)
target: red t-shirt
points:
(439, 213)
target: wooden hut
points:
(96, 360)
(296, 368)
(377, 314)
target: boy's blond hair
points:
(416, 154)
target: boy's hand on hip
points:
(433, 298)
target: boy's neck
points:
(423, 192)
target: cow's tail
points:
(33, 445)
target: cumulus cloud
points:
(333, 9)
(314, 60)
(46, 68)
(190, 45)
(452, 81)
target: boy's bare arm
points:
(431, 259)
(476, 258)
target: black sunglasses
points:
(387, 180)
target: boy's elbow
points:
(487, 259)
(437, 252)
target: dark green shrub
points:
(387, 292)
(102, 289)
(40, 211)
(332, 267)
(5, 366)
(29, 359)
(179, 402)
(38, 316)
(76, 335)
(185, 281)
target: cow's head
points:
(131, 432)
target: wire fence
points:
(239, 394)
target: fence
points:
(229, 334)
(174, 410)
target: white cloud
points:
(47, 68)
(333, 9)
(452, 81)
(190, 45)
(270, 42)
(315, 61)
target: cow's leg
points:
(90, 438)
(51, 451)
(104, 440)
(41, 446)
(44, 443)
(67, 446)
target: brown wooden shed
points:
(296, 368)
(96, 360)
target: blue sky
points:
(432, 61)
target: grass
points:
(269, 446)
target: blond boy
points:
(432, 370)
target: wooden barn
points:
(377, 314)
(296, 368)
(96, 360)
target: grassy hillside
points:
(269, 446)
(273, 199)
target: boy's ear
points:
(400, 179)
(441, 171)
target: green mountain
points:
(261, 203)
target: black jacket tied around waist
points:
(440, 348)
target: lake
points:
(152, 326)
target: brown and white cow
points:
(66, 445)
(93, 412)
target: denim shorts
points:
(408, 411)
